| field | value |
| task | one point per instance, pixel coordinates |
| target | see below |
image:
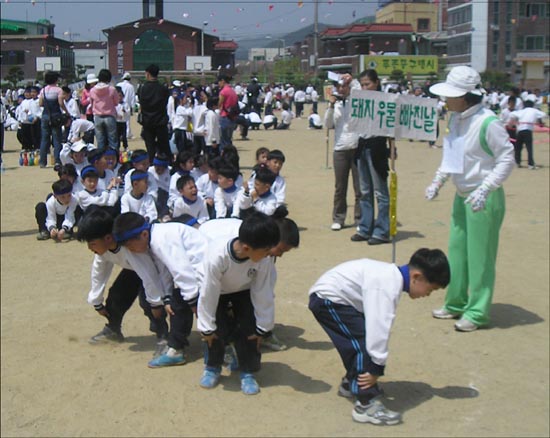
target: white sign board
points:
(45, 63)
(393, 115)
(200, 63)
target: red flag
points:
(270, 7)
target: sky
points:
(83, 20)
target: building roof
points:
(151, 22)
(354, 29)
(226, 45)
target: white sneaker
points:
(375, 412)
(464, 325)
(444, 314)
(336, 226)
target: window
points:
(532, 43)
(496, 12)
(13, 57)
(153, 47)
(533, 9)
(423, 25)
(459, 46)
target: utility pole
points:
(204, 24)
(315, 37)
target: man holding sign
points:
(479, 156)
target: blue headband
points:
(109, 152)
(95, 157)
(126, 235)
(158, 162)
(138, 176)
(139, 157)
(87, 170)
(191, 221)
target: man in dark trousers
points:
(153, 97)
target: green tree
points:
(495, 78)
(397, 76)
(14, 76)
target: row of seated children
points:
(204, 190)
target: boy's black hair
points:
(183, 180)
(61, 186)
(259, 231)
(51, 77)
(104, 75)
(230, 155)
(67, 90)
(228, 171)
(290, 233)
(139, 152)
(212, 102)
(119, 90)
(264, 175)
(286, 106)
(67, 169)
(88, 172)
(126, 222)
(528, 103)
(433, 265)
(96, 223)
(215, 163)
(137, 172)
(276, 154)
(200, 160)
(183, 157)
(153, 70)
(260, 151)
(513, 99)
(94, 155)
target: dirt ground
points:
(493, 382)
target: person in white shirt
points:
(355, 303)
(475, 134)
(81, 129)
(137, 200)
(289, 96)
(122, 118)
(92, 194)
(207, 185)
(56, 216)
(345, 147)
(268, 101)
(75, 153)
(269, 121)
(260, 197)
(129, 98)
(508, 121)
(180, 124)
(183, 166)
(159, 171)
(526, 119)
(139, 277)
(140, 161)
(189, 202)
(178, 251)
(314, 121)
(299, 101)
(212, 128)
(226, 194)
(238, 272)
(96, 158)
(254, 120)
(286, 117)
(199, 121)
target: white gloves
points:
(433, 189)
(478, 198)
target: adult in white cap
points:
(478, 156)
(129, 98)
(526, 119)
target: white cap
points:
(176, 83)
(531, 97)
(78, 146)
(460, 81)
(126, 76)
(91, 79)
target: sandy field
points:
(493, 382)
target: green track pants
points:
(473, 245)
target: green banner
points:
(385, 65)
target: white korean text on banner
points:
(393, 115)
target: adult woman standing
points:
(373, 170)
(478, 154)
(51, 98)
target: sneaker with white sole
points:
(344, 389)
(210, 377)
(444, 314)
(107, 335)
(336, 226)
(274, 343)
(464, 325)
(375, 412)
(166, 361)
(249, 386)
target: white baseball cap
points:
(531, 97)
(78, 146)
(91, 78)
(176, 83)
(126, 76)
(460, 81)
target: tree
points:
(495, 78)
(14, 76)
(397, 76)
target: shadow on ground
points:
(505, 316)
